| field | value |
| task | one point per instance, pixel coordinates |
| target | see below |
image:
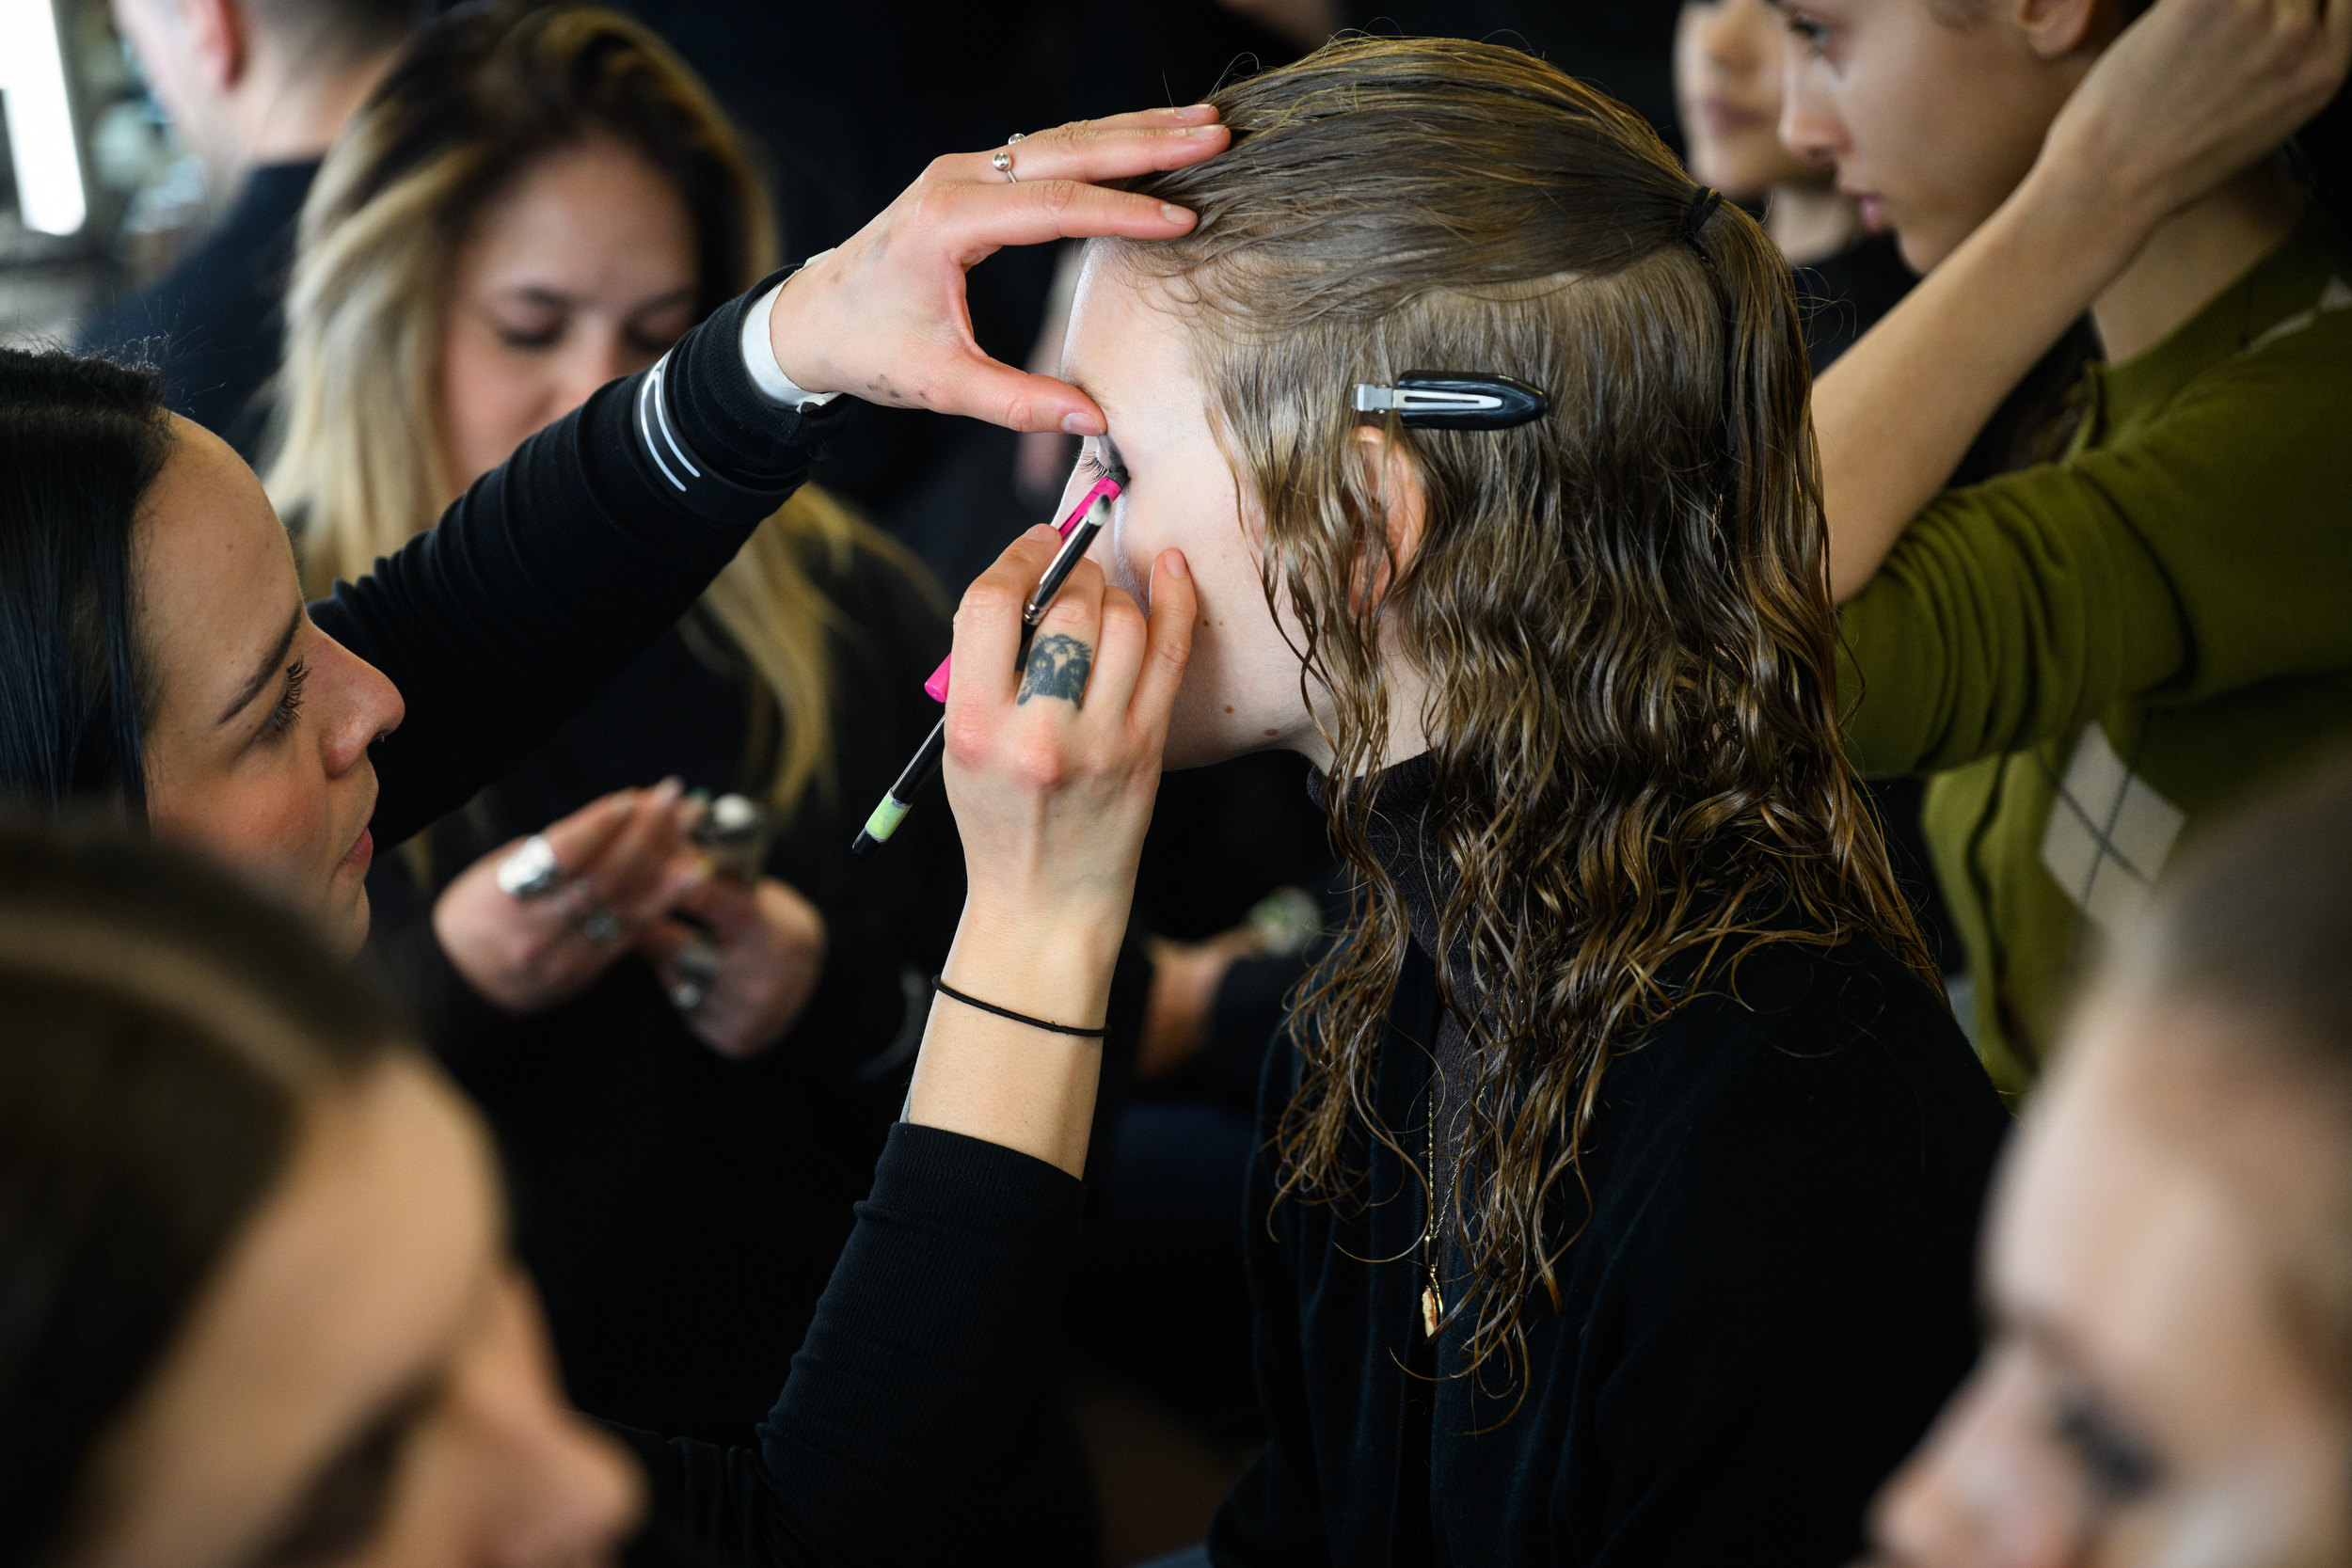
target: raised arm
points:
(556, 569)
(2192, 93)
(925, 1360)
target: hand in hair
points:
(883, 317)
(626, 856)
(771, 945)
(2193, 92)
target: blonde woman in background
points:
(536, 201)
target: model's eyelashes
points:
(2119, 1465)
(1101, 460)
(281, 717)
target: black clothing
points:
(933, 1331)
(680, 1211)
(218, 312)
(545, 579)
(1844, 294)
(1768, 1302)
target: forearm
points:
(1026, 1088)
(1897, 412)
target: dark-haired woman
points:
(2092, 654)
(160, 664)
(537, 201)
(161, 660)
(1616, 1185)
(259, 1305)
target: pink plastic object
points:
(936, 687)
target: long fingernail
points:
(1087, 424)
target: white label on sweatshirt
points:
(2108, 833)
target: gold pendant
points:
(1431, 1310)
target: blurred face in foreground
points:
(2157, 1391)
(365, 1380)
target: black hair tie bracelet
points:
(944, 988)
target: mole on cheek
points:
(1269, 731)
(1229, 708)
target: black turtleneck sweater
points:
(1768, 1304)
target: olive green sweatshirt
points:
(2094, 657)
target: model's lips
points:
(1872, 206)
(362, 852)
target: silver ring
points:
(687, 995)
(530, 871)
(601, 927)
(1001, 161)
(698, 963)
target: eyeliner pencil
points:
(892, 809)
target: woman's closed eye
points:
(2119, 1466)
(289, 705)
(348, 1500)
(1812, 33)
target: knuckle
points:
(988, 598)
(1041, 762)
(1057, 196)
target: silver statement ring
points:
(530, 871)
(1001, 161)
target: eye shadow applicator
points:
(1088, 518)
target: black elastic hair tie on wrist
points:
(944, 988)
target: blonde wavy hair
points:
(477, 98)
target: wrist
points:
(789, 332)
(1048, 966)
(2090, 212)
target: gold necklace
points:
(1432, 1300)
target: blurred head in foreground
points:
(259, 1305)
(2170, 1260)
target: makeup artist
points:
(165, 671)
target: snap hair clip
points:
(1454, 399)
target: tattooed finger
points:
(1058, 667)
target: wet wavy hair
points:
(1622, 611)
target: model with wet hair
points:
(1618, 1184)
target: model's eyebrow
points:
(347, 1496)
(271, 663)
(1110, 447)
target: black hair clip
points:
(1454, 399)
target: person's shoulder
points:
(1801, 1046)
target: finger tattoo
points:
(1058, 668)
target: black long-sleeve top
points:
(1768, 1303)
(680, 1211)
(549, 576)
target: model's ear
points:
(220, 36)
(1390, 473)
(2053, 29)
